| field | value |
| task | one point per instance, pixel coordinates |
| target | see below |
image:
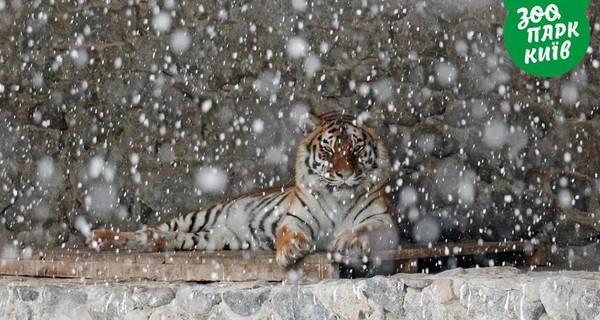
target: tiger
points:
(338, 204)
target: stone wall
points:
(489, 293)
(112, 111)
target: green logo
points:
(546, 38)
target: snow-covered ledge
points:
(487, 293)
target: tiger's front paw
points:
(291, 246)
(350, 244)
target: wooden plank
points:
(232, 265)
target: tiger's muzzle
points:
(344, 166)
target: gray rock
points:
(483, 293)
(296, 302)
(246, 302)
(4, 301)
(346, 299)
(386, 291)
(153, 297)
(24, 312)
(54, 295)
(115, 303)
(482, 302)
(416, 305)
(25, 293)
(168, 312)
(67, 301)
(219, 313)
(416, 282)
(196, 300)
(569, 298)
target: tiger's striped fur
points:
(338, 204)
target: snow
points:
(46, 169)
(83, 226)
(565, 198)
(299, 111)
(293, 275)
(136, 99)
(169, 4)
(426, 142)
(446, 74)
(211, 179)
(563, 182)
(408, 197)
(79, 56)
(37, 116)
(567, 157)
(258, 125)
(296, 47)
(312, 64)
(276, 155)
(95, 167)
(134, 158)
(461, 47)
(383, 90)
(101, 200)
(495, 134)
(223, 15)
(161, 22)
(267, 84)
(41, 212)
(569, 93)
(426, 230)
(9, 252)
(166, 153)
(206, 105)
(413, 214)
(324, 47)
(364, 89)
(466, 188)
(299, 5)
(118, 63)
(37, 80)
(27, 253)
(180, 41)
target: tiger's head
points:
(340, 157)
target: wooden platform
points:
(234, 265)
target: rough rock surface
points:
(110, 109)
(487, 293)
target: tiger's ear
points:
(309, 122)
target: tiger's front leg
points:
(292, 244)
(360, 242)
(352, 244)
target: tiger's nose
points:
(343, 174)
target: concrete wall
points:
(489, 293)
